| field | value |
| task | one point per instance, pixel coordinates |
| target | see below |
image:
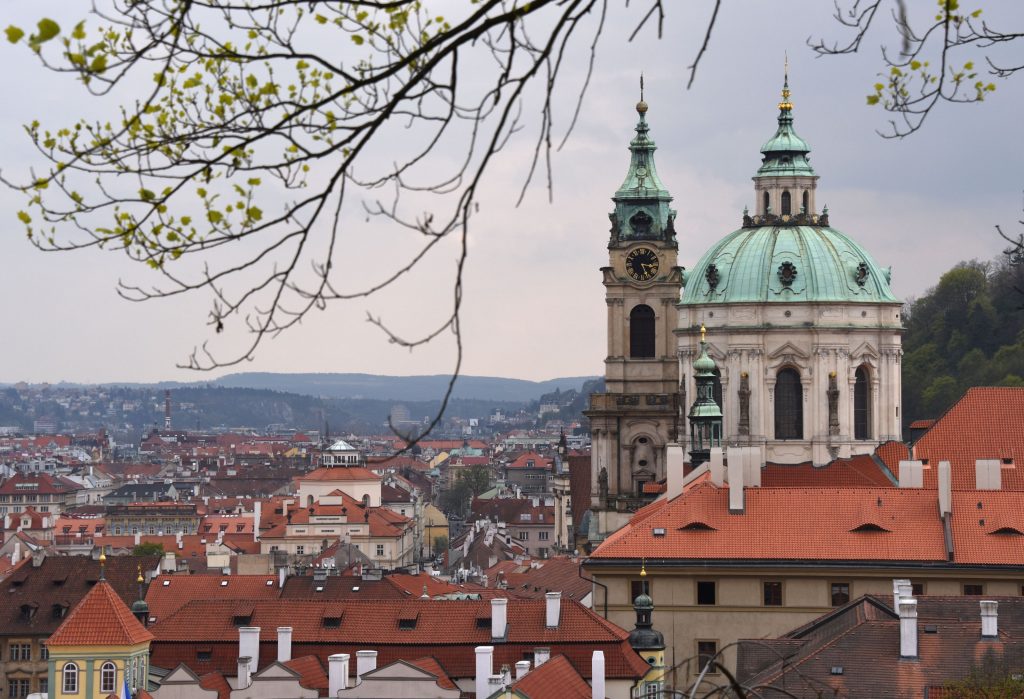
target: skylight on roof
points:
(223, 583)
(167, 583)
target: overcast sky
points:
(534, 304)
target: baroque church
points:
(784, 337)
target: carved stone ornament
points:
(861, 275)
(602, 485)
(670, 229)
(833, 404)
(712, 276)
(787, 273)
(616, 229)
(744, 394)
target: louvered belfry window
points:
(789, 412)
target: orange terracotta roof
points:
(532, 460)
(169, 593)
(311, 672)
(986, 423)
(218, 683)
(988, 527)
(354, 473)
(555, 679)
(101, 618)
(857, 472)
(430, 664)
(786, 524)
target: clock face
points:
(642, 264)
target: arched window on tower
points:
(70, 679)
(787, 203)
(861, 405)
(108, 678)
(641, 332)
(789, 405)
(767, 202)
(806, 202)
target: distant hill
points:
(401, 388)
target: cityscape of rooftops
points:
(505, 350)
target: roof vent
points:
(931, 628)
(658, 531)
(223, 583)
(837, 669)
(167, 583)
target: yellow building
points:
(99, 650)
(435, 526)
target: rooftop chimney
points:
(989, 618)
(897, 585)
(988, 474)
(945, 489)
(522, 667)
(553, 602)
(911, 474)
(541, 656)
(337, 678)
(366, 661)
(597, 674)
(499, 617)
(735, 476)
(284, 644)
(244, 672)
(674, 470)
(257, 515)
(249, 645)
(282, 575)
(908, 627)
(716, 464)
(484, 667)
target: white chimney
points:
(988, 474)
(170, 563)
(553, 605)
(674, 470)
(908, 628)
(906, 590)
(244, 672)
(911, 474)
(484, 667)
(366, 661)
(897, 585)
(945, 489)
(257, 515)
(597, 674)
(284, 644)
(282, 575)
(989, 618)
(753, 470)
(138, 538)
(716, 465)
(499, 617)
(337, 673)
(522, 667)
(735, 475)
(541, 656)
(249, 645)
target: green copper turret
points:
(785, 153)
(705, 414)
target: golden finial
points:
(140, 579)
(703, 332)
(643, 567)
(103, 564)
(785, 105)
(641, 106)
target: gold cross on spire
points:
(785, 105)
(641, 87)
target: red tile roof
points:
(531, 460)
(986, 423)
(354, 473)
(429, 664)
(533, 580)
(169, 593)
(218, 683)
(988, 527)
(101, 619)
(857, 472)
(311, 672)
(555, 679)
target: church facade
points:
(801, 323)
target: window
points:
(17, 688)
(861, 405)
(639, 587)
(108, 678)
(652, 690)
(787, 203)
(380, 550)
(840, 593)
(21, 651)
(807, 202)
(524, 536)
(772, 593)
(789, 408)
(44, 685)
(44, 652)
(70, 679)
(705, 592)
(300, 549)
(974, 589)
(917, 589)
(641, 332)
(706, 652)
(767, 203)
(543, 536)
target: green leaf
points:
(253, 181)
(147, 195)
(79, 31)
(47, 30)
(14, 34)
(873, 99)
(914, 65)
(214, 216)
(24, 217)
(99, 64)
(357, 40)
(254, 213)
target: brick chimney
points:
(337, 678)
(989, 618)
(499, 618)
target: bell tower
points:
(639, 413)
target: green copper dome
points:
(787, 263)
(704, 365)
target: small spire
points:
(785, 105)
(103, 565)
(641, 106)
(140, 579)
(643, 567)
(703, 333)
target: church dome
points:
(787, 264)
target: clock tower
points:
(638, 415)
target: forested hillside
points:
(966, 331)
